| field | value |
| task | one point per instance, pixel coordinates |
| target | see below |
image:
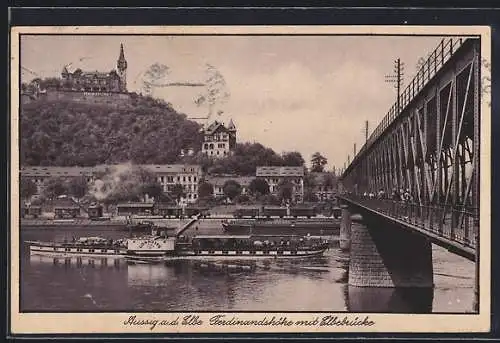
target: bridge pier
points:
(390, 269)
(345, 228)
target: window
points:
(189, 178)
(206, 146)
(183, 179)
(194, 178)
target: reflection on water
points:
(317, 284)
(402, 300)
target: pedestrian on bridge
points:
(381, 194)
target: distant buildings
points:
(218, 183)
(219, 140)
(325, 185)
(39, 174)
(167, 175)
(278, 175)
(189, 176)
(170, 174)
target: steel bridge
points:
(427, 146)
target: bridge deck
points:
(455, 230)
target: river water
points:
(318, 284)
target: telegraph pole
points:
(354, 150)
(366, 131)
(397, 79)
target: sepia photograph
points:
(189, 179)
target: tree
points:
(53, 187)
(285, 190)
(231, 189)
(242, 199)
(269, 199)
(329, 181)
(309, 181)
(177, 191)
(78, 187)
(310, 196)
(205, 190)
(258, 187)
(153, 189)
(27, 187)
(125, 183)
(292, 159)
(318, 162)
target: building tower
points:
(122, 70)
(232, 134)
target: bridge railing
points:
(459, 225)
(435, 60)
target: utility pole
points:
(397, 79)
(354, 150)
(366, 131)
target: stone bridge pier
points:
(390, 268)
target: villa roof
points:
(212, 128)
(173, 168)
(51, 171)
(279, 171)
(220, 180)
(42, 171)
(136, 204)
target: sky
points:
(290, 93)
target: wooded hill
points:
(68, 133)
(145, 131)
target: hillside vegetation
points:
(67, 133)
(145, 131)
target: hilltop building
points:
(219, 140)
(94, 87)
(114, 81)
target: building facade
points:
(40, 174)
(325, 185)
(218, 183)
(114, 81)
(274, 176)
(167, 175)
(188, 176)
(219, 140)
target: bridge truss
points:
(431, 145)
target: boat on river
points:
(299, 226)
(223, 247)
(84, 246)
(160, 247)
